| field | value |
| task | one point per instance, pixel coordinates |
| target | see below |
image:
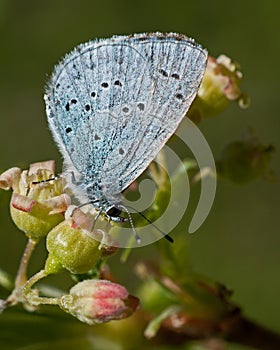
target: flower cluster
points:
(40, 208)
(77, 243)
(38, 201)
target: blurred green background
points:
(239, 243)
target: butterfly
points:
(112, 104)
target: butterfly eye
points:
(114, 212)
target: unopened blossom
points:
(99, 301)
(75, 244)
(220, 85)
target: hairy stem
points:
(34, 279)
(32, 297)
(22, 271)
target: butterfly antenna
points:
(137, 237)
(165, 235)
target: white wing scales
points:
(177, 70)
(113, 104)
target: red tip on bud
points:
(98, 301)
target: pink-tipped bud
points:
(219, 86)
(98, 301)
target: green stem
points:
(16, 296)
(35, 300)
(31, 296)
(34, 279)
(154, 325)
(22, 292)
(22, 271)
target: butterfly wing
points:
(177, 66)
(112, 104)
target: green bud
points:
(72, 248)
(37, 222)
(246, 160)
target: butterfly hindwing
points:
(177, 68)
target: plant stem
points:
(33, 298)
(242, 331)
(22, 271)
(34, 279)
(19, 293)
(16, 296)
(248, 333)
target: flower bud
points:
(98, 301)
(73, 247)
(37, 204)
(219, 86)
